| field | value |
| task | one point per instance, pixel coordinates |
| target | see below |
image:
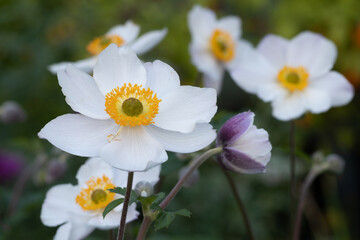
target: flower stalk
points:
(292, 174)
(121, 231)
(240, 204)
(193, 166)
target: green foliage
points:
(112, 205)
(166, 218)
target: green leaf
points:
(118, 190)
(112, 205)
(183, 212)
(164, 220)
(133, 197)
(159, 196)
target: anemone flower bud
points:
(144, 189)
(246, 149)
(12, 112)
(336, 163)
(10, 165)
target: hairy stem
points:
(193, 166)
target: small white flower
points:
(78, 209)
(121, 35)
(215, 44)
(131, 112)
(294, 75)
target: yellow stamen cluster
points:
(222, 45)
(96, 195)
(132, 105)
(100, 43)
(293, 78)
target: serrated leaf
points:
(164, 220)
(183, 212)
(118, 190)
(112, 205)
(159, 196)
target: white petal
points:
(180, 110)
(161, 78)
(255, 143)
(147, 41)
(59, 205)
(199, 138)
(112, 219)
(82, 93)
(312, 51)
(73, 231)
(205, 62)
(78, 135)
(210, 83)
(201, 23)
(85, 65)
(340, 90)
(128, 32)
(274, 50)
(316, 101)
(151, 175)
(116, 66)
(93, 167)
(271, 90)
(133, 150)
(242, 48)
(288, 107)
(252, 70)
(232, 25)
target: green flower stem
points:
(193, 166)
(240, 203)
(314, 172)
(121, 231)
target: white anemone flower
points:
(78, 209)
(294, 75)
(131, 112)
(215, 44)
(121, 35)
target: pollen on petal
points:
(100, 43)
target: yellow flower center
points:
(293, 78)
(222, 45)
(132, 105)
(96, 195)
(100, 43)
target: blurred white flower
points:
(294, 75)
(78, 209)
(215, 44)
(131, 112)
(121, 35)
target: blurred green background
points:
(37, 33)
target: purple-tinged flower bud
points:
(10, 165)
(55, 169)
(246, 149)
(192, 179)
(12, 112)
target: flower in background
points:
(11, 165)
(121, 35)
(78, 209)
(294, 75)
(215, 44)
(131, 112)
(246, 149)
(12, 112)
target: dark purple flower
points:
(10, 165)
(246, 149)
